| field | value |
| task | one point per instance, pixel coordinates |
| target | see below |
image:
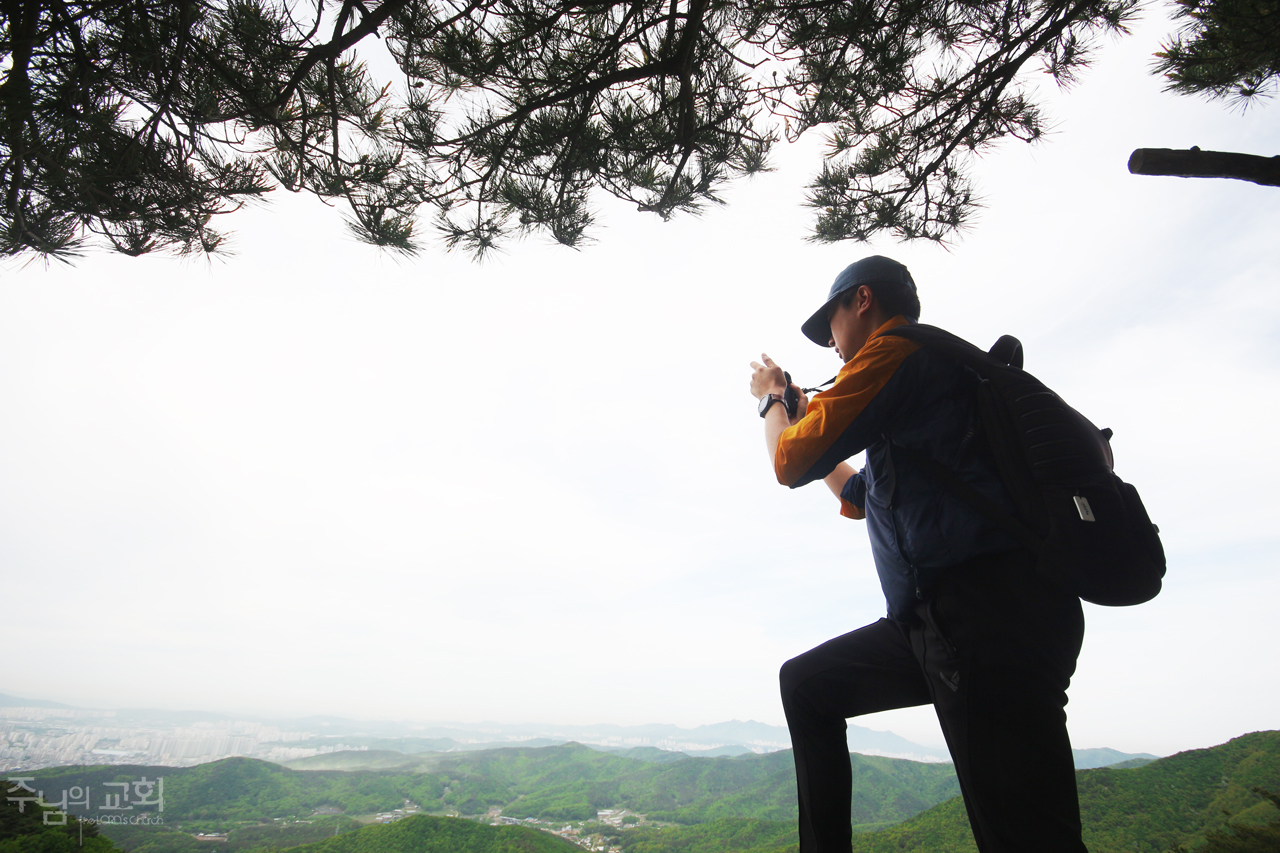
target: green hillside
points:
(1150, 809)
(23, 829)
(1170, 803)
(424, 834)
(569, 782)
(727, 805)
(1176, 799)
(245, 789)
(240, 839)
(1242, 837)
(263, 806)
(720, 836)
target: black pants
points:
(993, 650)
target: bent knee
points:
(791, 675)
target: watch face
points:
(765, 402)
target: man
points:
(971, 627)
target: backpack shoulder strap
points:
(1007, 350)
(1006, 354)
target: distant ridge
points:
(7, 701)
(735, 737)
(1087, 759)
(326, 734)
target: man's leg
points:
(868, 670)
(999, 647)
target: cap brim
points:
(818, 328)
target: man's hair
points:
(893, 297)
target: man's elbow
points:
(851, 510)
(786, 474)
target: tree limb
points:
(369, 24)
(1195, 163)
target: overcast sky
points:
(312, 478)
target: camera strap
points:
(820, 386)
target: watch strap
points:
(771, 398)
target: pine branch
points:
(1194, 163)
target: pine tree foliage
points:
(134, 122)
(1226, 49)
(1243, 837)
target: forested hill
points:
(424, 834)
(24, 828)
(1156, 808)
(569, 782)
(1150, 809)
(743, 804)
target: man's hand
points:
(767, 378)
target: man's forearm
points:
(836, 479)
(775, 423)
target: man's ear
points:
(864, 302)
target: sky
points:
(312, 478)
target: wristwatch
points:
(766, 401)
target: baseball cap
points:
(872, 270)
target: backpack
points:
(1087, 527)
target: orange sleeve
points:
(848, 510)
(833, 411)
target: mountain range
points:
(1200, 798)
(288, 739)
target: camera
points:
(790, 397)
